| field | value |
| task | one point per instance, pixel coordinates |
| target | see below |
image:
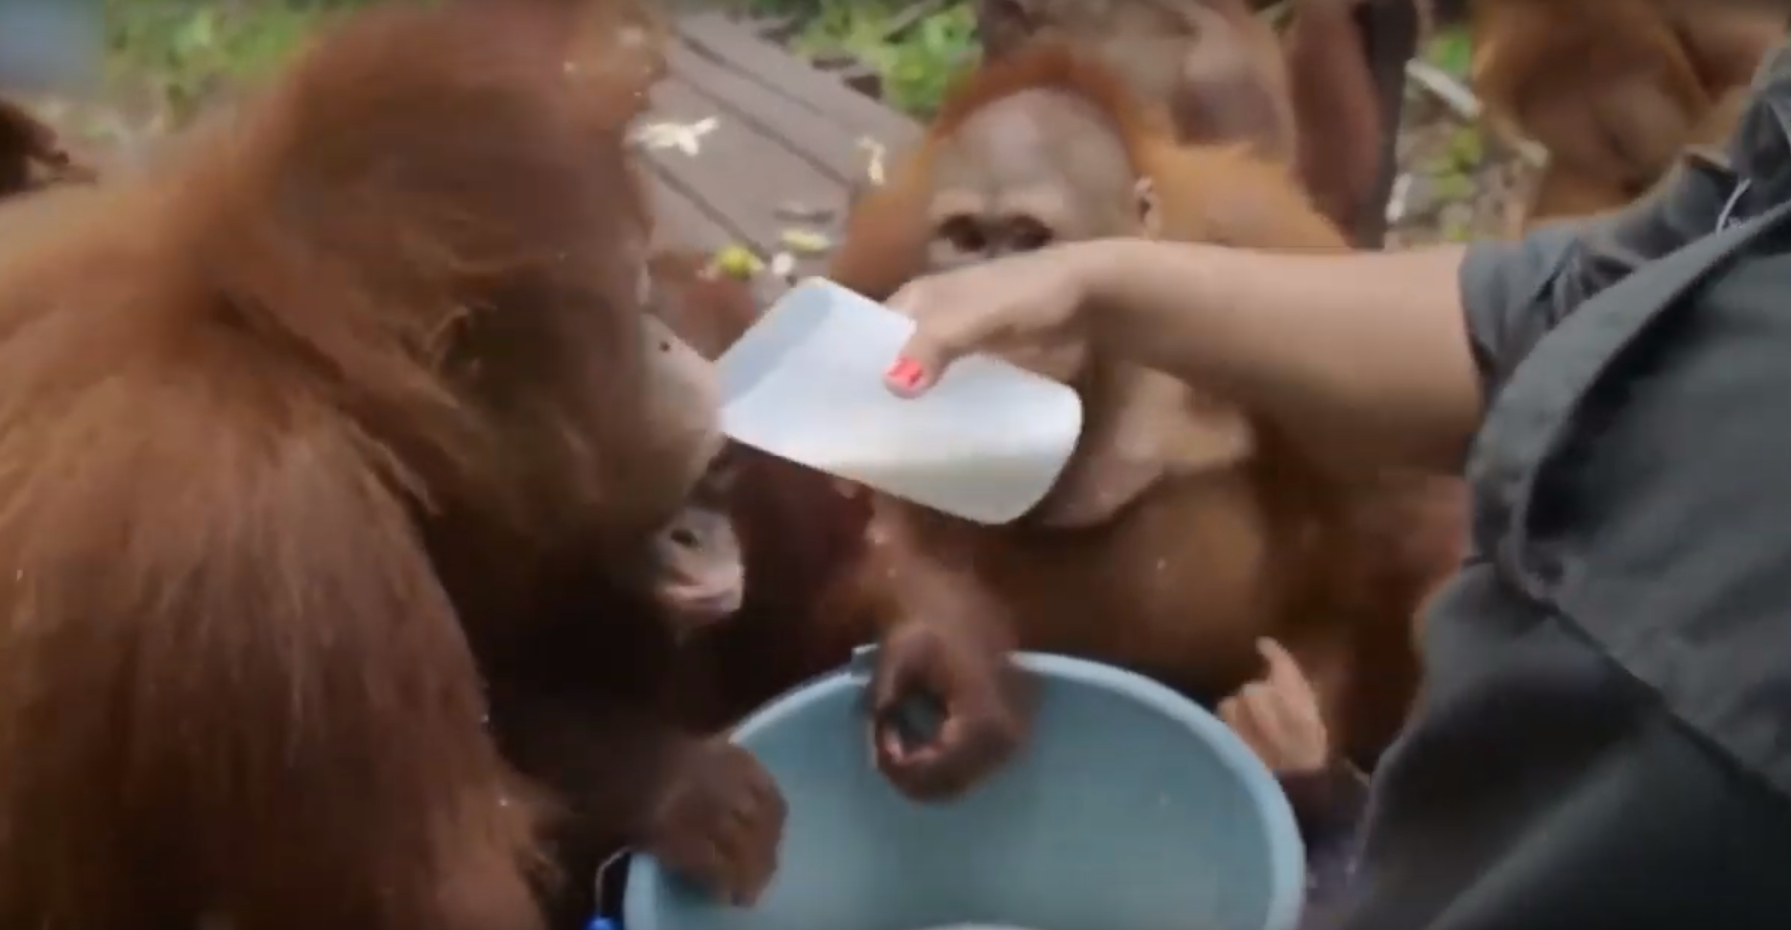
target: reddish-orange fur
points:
(316, 439)
(1613, 89)
(701, 304)
(1341, 112)
(1182, 583)
(887, 231)
(1211, 64)
(1223, 76)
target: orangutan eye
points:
(964, 233)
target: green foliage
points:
(1452, 50)
(185, 50)
(920, 67)
(1466, 149)
(917, 61)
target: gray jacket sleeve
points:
(1514, 292)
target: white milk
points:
(806, 384)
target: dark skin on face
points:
(797, 533)
(1035, 169)
(699, 576)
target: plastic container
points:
(1131, 809)
(806, 384)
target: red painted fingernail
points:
(906, 372)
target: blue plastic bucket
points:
(1131, 809)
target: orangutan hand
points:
(719, 822)
(983, 699)
(1278, 717)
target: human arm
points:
(1378, 359)
(1367, 348)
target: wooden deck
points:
(786, 145)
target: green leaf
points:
(199, 32)
(1452, 50)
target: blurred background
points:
(162, 60)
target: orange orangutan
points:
(326, 441)
(1184, 528)
(1313, 98)
(1613, 89)
(798, 533)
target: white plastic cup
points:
(806, 383)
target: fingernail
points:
(905, 373)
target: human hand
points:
(1278, 717)
(1025, 308)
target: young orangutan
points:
(1314, 101)
(1613, 89)
(1215, 66)
(798, 533)
(695, 570)
(1182, 530)
(322, 440)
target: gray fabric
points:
(1606, 737)
(1605, 740)
(1515, 292)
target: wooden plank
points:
(681, 223)
(731, 44)
(830, 145)
(740, 175)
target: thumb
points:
(917, 368)
(907, 662)
(925, 355)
